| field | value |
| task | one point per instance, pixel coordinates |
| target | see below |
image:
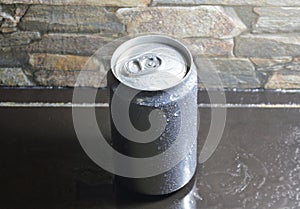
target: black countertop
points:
(256, 164)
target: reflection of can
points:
(161, 72)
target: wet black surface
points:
(64, 95)
(256, 164)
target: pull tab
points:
(145, 64)
(151, 61)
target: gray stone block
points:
(69, 78)
(292, 66)
(228, 2)
(247, 15)
(268, 45)
(74, 19)
(270, 62)
(57, 62)
(202, 21)
(68, 43)
(10, 16)
(13, 77)
(120, 3)
(13, 57)
(227, 73)
(277, 20)
(18, 38)
(210, 47)
(284, 80)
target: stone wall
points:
(252, 44)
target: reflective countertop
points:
(256, 164)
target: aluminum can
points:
(161, 72)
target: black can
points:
(154, 78)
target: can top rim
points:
(144, 39)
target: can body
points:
(178, 104)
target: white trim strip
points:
(42, 104)
(279, 106)
(105, 105)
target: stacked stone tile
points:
(250, 44)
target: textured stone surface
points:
(297, 59)
(11, 16)
(284, 80)
(81, 2)
(277, 19)
(229, 72)
(81, 44)
(292, 66)
(12, 58)
(18, 38)
(229, 2)
(69, 78)
(278, 11)
(57, 62)
(268, 46)
(63, 70)
(70, 19)
(202, 21)
(56, 38)
(263, 62)
(210, 47)
(247, 15)
(13, 77)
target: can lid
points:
(150, 63)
